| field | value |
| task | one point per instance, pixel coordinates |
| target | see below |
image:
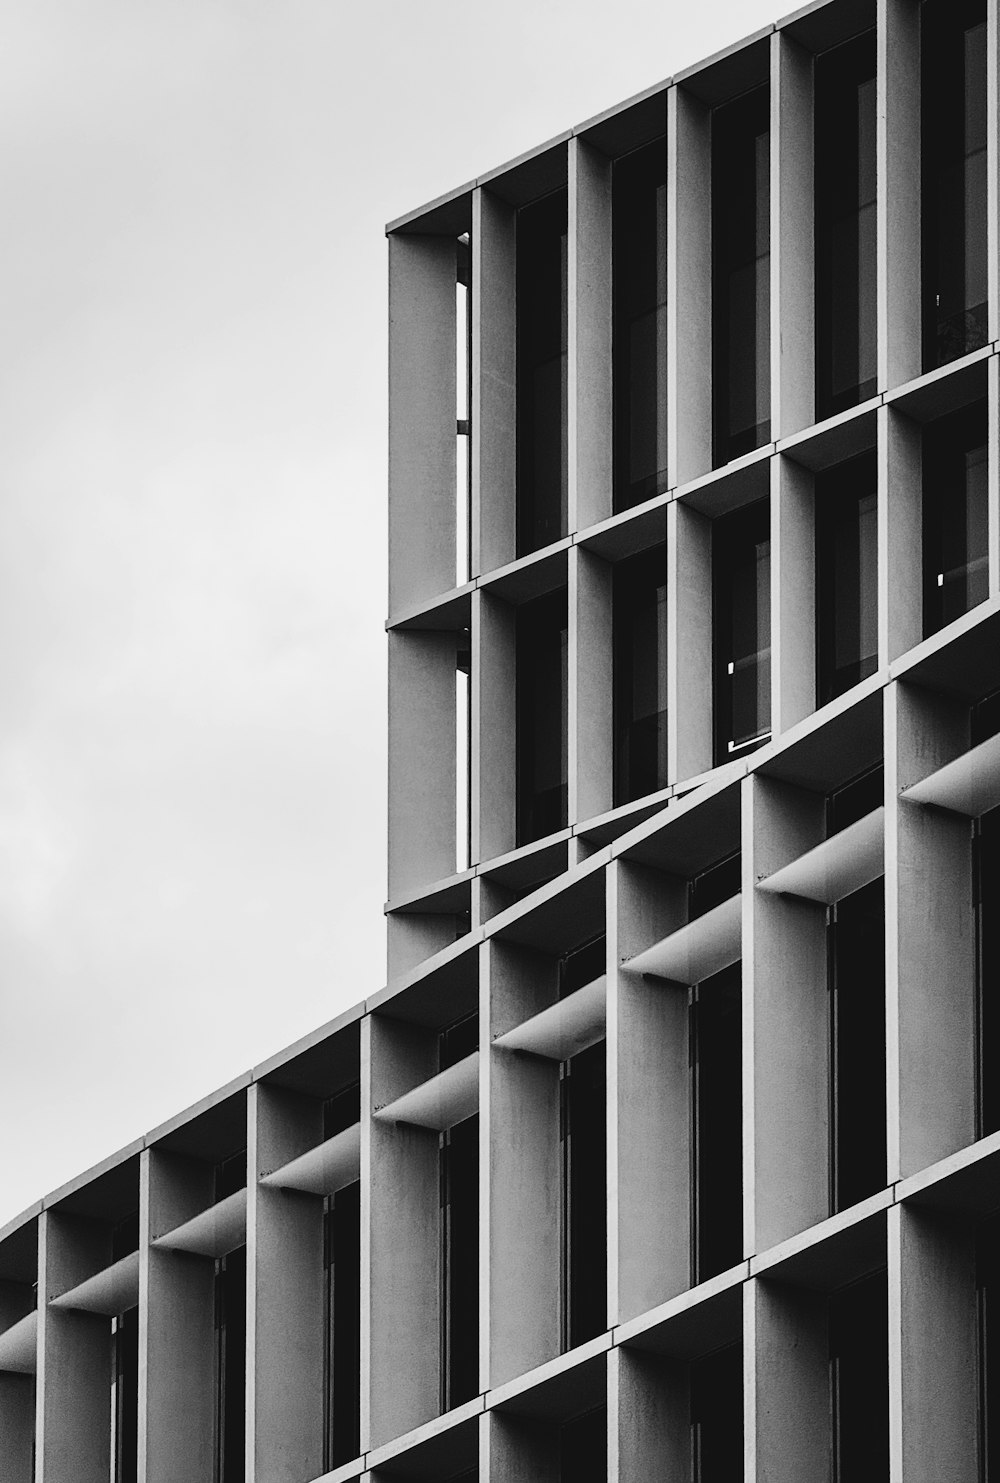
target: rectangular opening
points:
(988, 1295)
(846, 576)
(741, 629)
(582, 1132)
(856, 983)
(955, 515)
(717, 1416)
(230, 1361)
(583, 1448)
(639, 607)
(741, 275)
(341, 1296)
(639, 265)
(125, 1396)
(463, 412)
(541, 717)
(542, 387)
(459, 1233)
(953, 178)
(463, 744)
(845, 195)
(859, 1380)
(986, 877)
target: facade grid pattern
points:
(671, 1148)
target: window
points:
(741, 267)
(856, 980)
(717, 1416)
(640, 674)
(540, 717)
(230, 1359)
(639, 255)
(463, 745)
(845, 225)
(986, 877)
(956, 552)
(988, 1292)
(716, 1095)
(583, 1448)
(341, 1296)
(541, 372)
(584, 1182)
(859, 1381)
(230, 1336)
(463, 412)
(459, 1186)
(846, 576)
(125, 1366)
(953, 181)
(741, 581)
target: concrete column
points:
(73, 1383)
(787, 1390)
(176, 1327)
(591, 685)
(403, 1234)
(524, 1164)
(900, 535)
(285, 1285)
(933, 1349)
(648, 1084)
(786, 1039)
(422, 418)
(930, 940)
(689, 286)
(494, 800)
(689, 642)
(898, 166)
(793, 374)
(589, 370)
(494, 359)
(421, 759)
(793, 594)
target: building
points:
(672, 1148)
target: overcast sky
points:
(192, 506)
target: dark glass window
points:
(741, 268)
(639, 204)
(741, 582)
(583, 1448)
(584, 1189)
(125, 1396)
(581, 965)
(956, 552)
(540, 721)
(230, 1360)
(846, 576)
(640, 674)
(986, 876)
(859, 1381)
(342, 1296)
(541, 372)
(953, 182)
(845, 225)
(459, 1186)
(716, 1086)
(717, 1416)
(231, 1174)
(856, 977)
(988, 1285)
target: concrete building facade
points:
(671, 1148)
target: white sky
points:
(192, 492)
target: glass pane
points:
(846, 576)
(540, 721)
(541, 372)
(955, 515)
(741, 275)
(640, 674)
(639, 257)
(742, 628)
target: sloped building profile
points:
(671, 1148)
